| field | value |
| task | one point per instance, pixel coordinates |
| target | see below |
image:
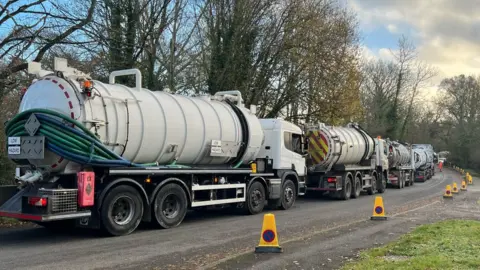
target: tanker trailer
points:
(426, 170)
(343, 161)
(108, 156)
(401, 163)
(421, 169)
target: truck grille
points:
(61, 200)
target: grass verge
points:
(452, 244)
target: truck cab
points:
(381, 158)
(381, 153)
(284, 143)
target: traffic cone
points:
(470, 180)
(269, 238)
(378, 209)
(455, 188)
(448, 192)
(464, 186)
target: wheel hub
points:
(122, 210)
(288, 194)
(256, 197)
(170, 206)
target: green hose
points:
(68, 141)
(17, 120)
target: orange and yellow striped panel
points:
(317, 146)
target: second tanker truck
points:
(401, 163)
(110, 156)
(343, 161)
(424, 165)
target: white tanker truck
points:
(109, 156)
(401, 163)
(343, 161)
(424, 165)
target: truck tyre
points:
(383, 184)
(357, 188)
(371, 190)
(347, 189)
(121, 210)
(412, 178)
(255, 199)
(170, 206)
(407, 183)
(288, 194)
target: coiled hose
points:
(79, 144)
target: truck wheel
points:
(400, 182)
(121, 211)
(347, 190)
(371, 190)
(412, 179)
(357, 188)
(407, 183)
(170, 206)
(255, 200)
(289, 195)
(383, 184)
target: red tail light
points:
(331, 179)
(37, 201)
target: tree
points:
(35, 28)
(460, 103)
(390, 90)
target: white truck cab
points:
(283, 142)
(381, 152)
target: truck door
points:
(293, 143)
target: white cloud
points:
(447, 32)
(382, 53)
(386, 54)
(392, 28)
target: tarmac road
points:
(203, 239)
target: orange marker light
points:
(87, 84)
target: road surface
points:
(202, 240)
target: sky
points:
(446, 33)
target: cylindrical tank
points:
(146, 126)
(398, 155)
(420, 157)
(428, 148)
(333, 145)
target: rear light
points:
(37, 201)
(331, 179)
(420, 176)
